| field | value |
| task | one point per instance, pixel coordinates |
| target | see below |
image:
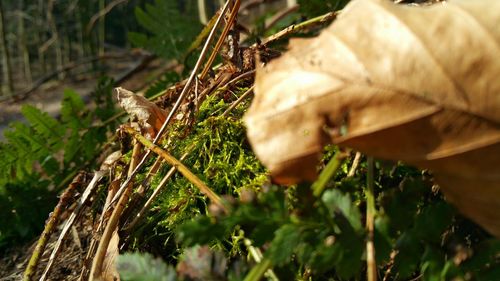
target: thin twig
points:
(237, 79)
(177, 104)
(112, 226)
(74, 215)
(257, 256)
(101, 14)
(297, 27)
(355, 164)
(279, 16)
(97, 263)
(222, 37)
(153, 196)
(96, 237)
(180, 167)
(50, 225)
(371, 271)
(238, 101)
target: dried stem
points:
(156, 192)
(355, 164)
(50, 225)
(72, 218)
(96, 269)
(371, 264)
(297, 27)
(222, 37)
(238, 101)
(113, 187)
(112, 226)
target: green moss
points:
(219, 155)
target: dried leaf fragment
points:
(417, 84)
(148, 114)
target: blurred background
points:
(48, 45)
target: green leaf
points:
(286, 239)
(432, 221)
(382, 239)
(409, 255)
(170, 29)
(143, 267)
(199, 231)
(336, 201)
(45, 125)
(71, 109)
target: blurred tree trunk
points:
(41, 37)
(7, 88)
(23, 48)
(101, 34)
(55, 37)
(202, 12)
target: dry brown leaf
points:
(148, 114)
(417, 84)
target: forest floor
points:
(138, 70)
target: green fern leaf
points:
(170, 30)
(45, 125)
(72, 109)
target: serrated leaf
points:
(336, 201)
(143, 267)
(286, 239)
(71, 109)
(408, 255)
(432, 221)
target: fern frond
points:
(45, 125)
(170, 30)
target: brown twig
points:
(237, 79)
(222, 37)
(156, 192)
(238, 101)
(50, 225)
(74, 215)
(96, 237)
(112, 226)
(96, 269)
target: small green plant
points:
(170, 27)
(40, 157)
(417, 234)
(305, 236)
